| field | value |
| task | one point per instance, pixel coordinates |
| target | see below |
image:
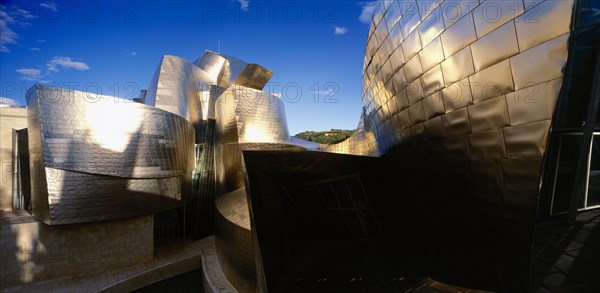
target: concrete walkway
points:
(170, 259)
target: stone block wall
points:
(32, 251)
(10, 119)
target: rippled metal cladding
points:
(97, 157)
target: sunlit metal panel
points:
(97, 157)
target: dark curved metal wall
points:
(460, 101)
(233, 240)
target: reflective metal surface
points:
(475, 91)
(96, 157)
(457, 105)
(449, 149)
(228, 70)
(449, 52)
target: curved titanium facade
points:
(247, 119)
(177, 87)
(229, 70)
(463, 99)
(96, 157)
(459, 100)
(486, 88)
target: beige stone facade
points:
(33, 252)
(11, 119)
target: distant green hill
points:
(325, 137)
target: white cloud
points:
(4, 14)
(34, 49)
(340, 30)
(244, 4)
(30, 74)
(7, 36)
(368, 8)
(8, 20)
(49, 5)
(133, 53)
(66, 63)
(41, 41)
(22, 16)
(6, 102)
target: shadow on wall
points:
(33, 251)
(418, 218)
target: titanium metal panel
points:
(254, 76)
(487, 145)
(534, 103)
(412, 69)
(395, 37)
(414, 91)
(417, 113)
(212, 63)
(227, 70)
(457, 148)
(454, 10)
(459, 35)
(492, 14)
(491, 82)
(397, 59)
(433, 81)
(410, 18)
(433, 105)
(393, 14)
(458, 66)
(411, 44)
(541, 63)
(260, 117)
(434, 128)
(431, 27)
(432, 54)
(526, 140)
(177, 87)
(233, 240)
(457, 95)
(98, 158)
(77, 197)
(404, 119)
(457, 123)
(428, 6)
(489, 114)
(547, 23)
(495, 46)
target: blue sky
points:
(114, 47)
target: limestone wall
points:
(32, 251)
(10, 119)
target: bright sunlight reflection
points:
(253, 133)
(111, 124)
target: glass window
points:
(569, 149)
(588, 13)
(579, 82)
(593, 191)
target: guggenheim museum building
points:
(475, 164)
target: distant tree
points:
(325, 137)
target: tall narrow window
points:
(570, 166)
(592, 198)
